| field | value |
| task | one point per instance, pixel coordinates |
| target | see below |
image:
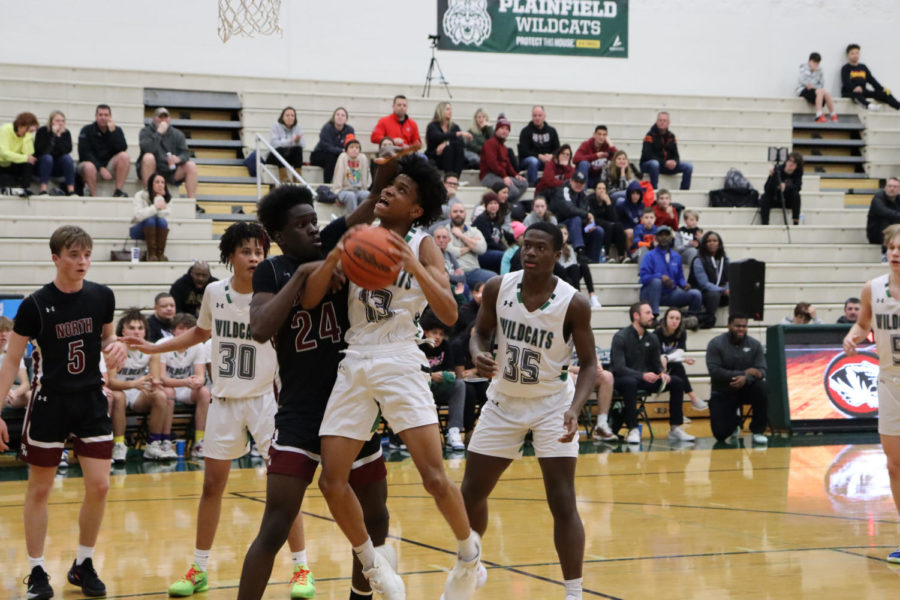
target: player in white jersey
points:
(536, 318)
(880, 312)
(384, 369)
(243, 396)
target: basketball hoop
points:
(248, 17)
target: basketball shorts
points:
(131, 396)
(183, 395)
(392, 378)
(808, 95)
(230, 419)
(505, 420)
(290, 455)
(52, 418)
(888, 404)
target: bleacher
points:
(826, 261)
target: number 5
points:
(76, 357)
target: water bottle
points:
(171, 167)
(602, 254)
(802, 219)
(135, 253)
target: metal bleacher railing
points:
(262, 168)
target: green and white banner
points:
(570, 27)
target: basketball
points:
(366, 258)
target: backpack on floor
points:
(735, 180)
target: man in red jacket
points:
(593, 154)
(495, 165)
(402, 130)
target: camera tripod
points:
(434, 64)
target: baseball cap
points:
(663, 228)
(162, 110)
(579, 177)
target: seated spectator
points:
(332, 137)
(852, 307)
(164, 150)
(662, 280)
(491, 224)
(575, 269)
(737, 374)
(604, 389)
(445, 387)
(709, 274)
(644, 235)
(183, 376)
(804, 314)
(466, 318)
(630, 211)
(441, 237)
(539, 212)
(286, 136)
(666, 212)
(466, 245)
(19, 394)
(786, 179)
(445, 142)
(538, 142)
(159, 324)
(52, 148)
(636, 365)
(518, 230)
(386, 149)
(884, 210)
(516, 208)
(397, 126)
(451, 184)
(569, 203)
(593, 155)
(151, 207)
(604, 210)
(352, 177)
(481, 131)
(660, 154)
(556, 171)
(137, 386)
(187, 290)
(17, 150)
(856, 79)
(687, 239)
(495, 163)
(672, 336)
(619, 175)
(102, 150)
(811, 87)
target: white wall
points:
(709, 47)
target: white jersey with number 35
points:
(886, 324)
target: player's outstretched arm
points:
(320, 280)
(193, 336)
(578, 323)
(431, 275)
(863, 324)
(483, 331)
(15, 348)
(114, 351)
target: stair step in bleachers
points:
(104, 227)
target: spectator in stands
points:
(102, 150)
(52, 147)
(183, 376)
(466, 245)
(811, 86)
(660, 154)
(619, 176)
(159, 324)
(151, 207)
(352, 176)
(636, 365)
(856, 79)
(286, 136)
(331, 142)
(570, 205)
(804, 314)
(17, 149)
(737, 372)
(539, 212)
(164, 150)
(604, 389)
(629, 212)
(687, 239)
(481, 131)
(557, 171)
(398, 126)
(538, 142)
(491, 223)
(576, 270)
(709, 274)
(644, 234)
(18, 395)
(787, 179)
(662, 279)
(852, 307)
(187, 290)
(518, 230)
(604, 210)
(495, 164)
(666, 212)
(884, 210)
(445, 387)
(672, 336)
(441, 235)
(445, 141)
(593, 155)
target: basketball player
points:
(70, 321)
(243, 396)
(536, 318)
(310, 341)
(383, 369)
(880, 299)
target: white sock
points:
(299, 557)
(573, 588)
(201, 557)
(602, 420)
(36, 562)
(366, 554)
(819, 114)
(84, 553)
(468, 548)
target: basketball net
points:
(248, 17)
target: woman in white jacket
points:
(287, 138)
(151, 207)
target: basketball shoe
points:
(38, 585)
(85, 577)
(120, 452)
(303, 584)
(893, 557)
(463, 578)
(383, 578)
(193, 582)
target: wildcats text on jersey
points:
(233, 329)
(73, 328)
(887, 321)
(519, 332)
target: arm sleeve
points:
(715, 363)
(42, 141)
(278, 137)
(646, 272)
(655, 354)
(329, 140)
(204, 318)
(583, 153)
(86, 147)
(64, 143)
(119, 144)
(379, 132)
(676, 258)
(702, 278)
(331, 234)
(647, 149)
(880, 210)
(845, 79)
(554, 140)
(871, 79)
(524, 144)
(481, 244)
(181, 149)
(759, 359)
(264, 279)
(414, 133)
(28, 319)
(489, 161)
(142, 210)
(675, 154)
(148, 140)
(617, 356)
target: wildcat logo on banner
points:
(851, 384)
(569, 27)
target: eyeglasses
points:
(452, 183)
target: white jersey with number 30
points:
(886, 324)
(532, 352)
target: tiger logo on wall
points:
(467, 22)
(851, 384)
